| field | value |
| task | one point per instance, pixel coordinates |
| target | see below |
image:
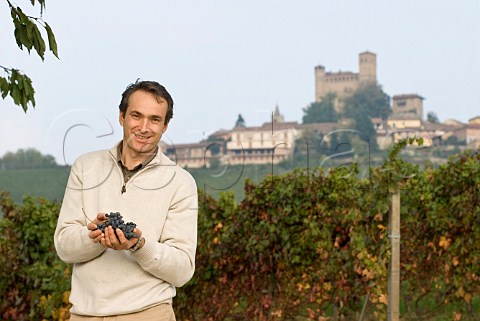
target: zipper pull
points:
(124, 189)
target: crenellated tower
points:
(367, 66)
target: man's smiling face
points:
(143, 124)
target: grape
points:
(115, 220)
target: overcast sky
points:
(222, 58)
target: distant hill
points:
(232, 178)
(26, 159)
(45, 182)
(50, 182)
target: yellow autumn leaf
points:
(327, 286)
(461, 292)
(218, 227)
(467, 297)
(66, 296)
(447, 268)
(444, 242)
(367, 274)
(383, 298)
(457, 316)
(455, 261)
(299, 287)
(277, 313)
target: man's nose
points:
(144, 125)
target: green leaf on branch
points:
(24, 29)
(15, 94)
(4, 87)
(52, 43)
(23, 17)
(23, 35)
(30, 31)
(27, 86)
(27, 35)
(38, 42)
(42, 4)
(20, 88)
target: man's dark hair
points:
(152, 87)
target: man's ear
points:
(121, 118)
(164, 129)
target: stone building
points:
(469, 133)
(344, 83)
(268, 143)
(400, 121)
(408, 106)
(195, 155)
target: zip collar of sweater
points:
(155, 161)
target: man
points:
(116, 277)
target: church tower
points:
(277, 117)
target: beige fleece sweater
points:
(162, 200)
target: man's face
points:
(143, 123)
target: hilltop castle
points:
(275, 141)
(345, 83)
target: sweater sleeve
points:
(172, 259)
(71, 238)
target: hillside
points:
(50, 183)
(45, 182)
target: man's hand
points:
(121, 242)
(95, 234)
(109, 239)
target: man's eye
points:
(135, 116)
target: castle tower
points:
(367, 66)
(320, 89)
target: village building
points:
(404, 121)
(195, 155)
(468, 134)
(268, 143)
(408, 106)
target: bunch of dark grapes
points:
(115, 220)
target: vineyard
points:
(310, 244)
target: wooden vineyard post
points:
(393, 309)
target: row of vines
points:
(306, 245)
